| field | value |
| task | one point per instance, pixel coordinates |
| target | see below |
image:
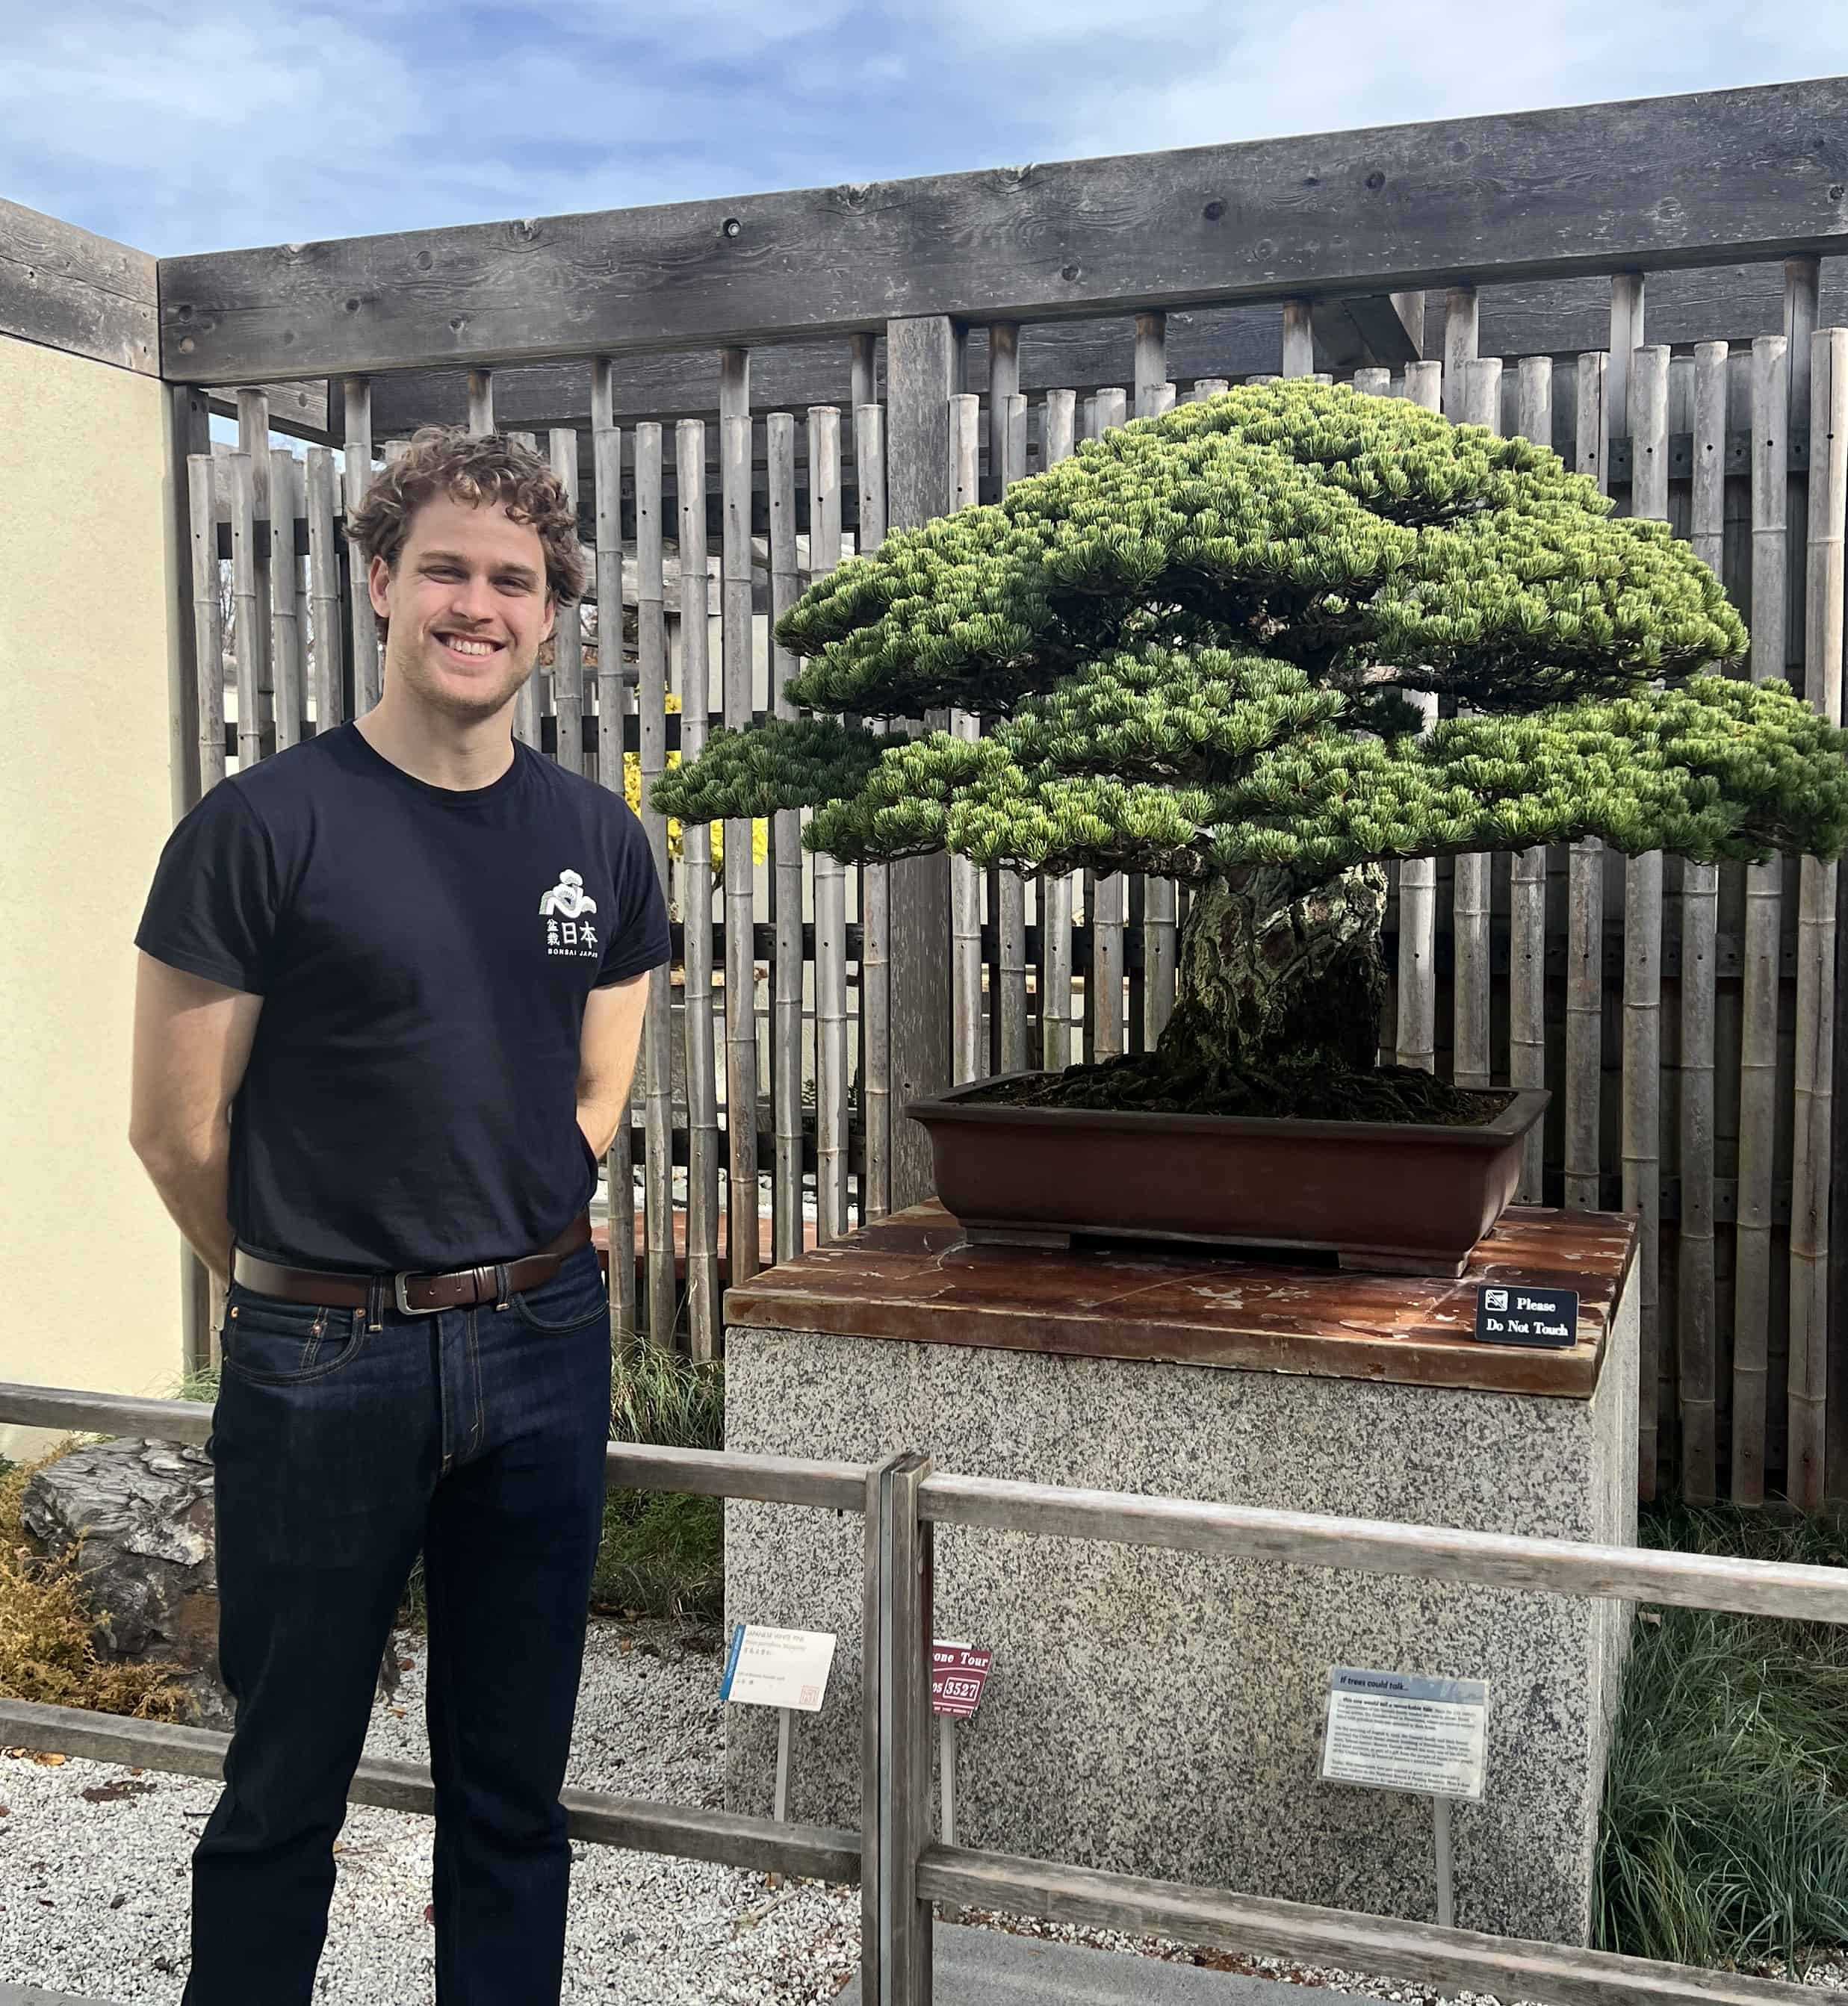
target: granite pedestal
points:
(1161, 1714)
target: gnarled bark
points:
(1277, 1012)
(1272, 971)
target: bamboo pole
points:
(208, 618)
(1697, 1338)
(741, 1188)
(969, 1045)
(1154, 396)
(568, 639)
(244, 607)
(1626, 297)
(1585, 884)
(1642, 967)
(1104, 986)
(1416, 1034)
(357, 392)
(1479, 404)
(832, 1083)
(788, 972)
(1006, 892)
(875, 879)
(1299, 339)
(1527, 886)
(657, 1028)
(862, 351)
(696, 900)
(612, 714)
(286, 651)
(1378, 383)
(1816, 1000)
(1758, 1052)
(529, 707)
(1014, 1054)
(1057, 894)
(324, 587)
(253, 439)
(1462, 320)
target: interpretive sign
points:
(1511, 1313)
(770, 1667)
(1393, 1731)
(958, 1673)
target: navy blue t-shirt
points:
(424, 955)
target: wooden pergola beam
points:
(1655, 183)
(1543, 317)
(64, 288)
(301, 410)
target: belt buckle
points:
(403, 1301)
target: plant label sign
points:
(1393, 1731)
(1512, 1313)
(958, 1673)
(770, 1667)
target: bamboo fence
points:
(1682, 1017)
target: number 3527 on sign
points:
(958, 1673)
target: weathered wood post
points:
(923, 371)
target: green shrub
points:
(1725, 1834)
(662, 1553)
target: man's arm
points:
(192, 1040)
(606, 1048)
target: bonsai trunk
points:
(1277, 1013)
(1275, 973)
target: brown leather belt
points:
(414, 1294)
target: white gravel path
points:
(94, 1887)
(93, 1873)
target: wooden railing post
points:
(923, 359)
(895, 1735)
(900, 1810)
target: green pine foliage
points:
(1195, 640)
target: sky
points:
(214, 125)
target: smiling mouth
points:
(468, 648)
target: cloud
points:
(180, 128)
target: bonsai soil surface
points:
(1309, 1089)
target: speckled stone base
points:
(1158, 1714)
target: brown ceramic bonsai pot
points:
(1399, 1198)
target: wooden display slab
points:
(915, 1278)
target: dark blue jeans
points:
(476, 1437)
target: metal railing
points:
(902, 1869)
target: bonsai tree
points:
(1195, 646)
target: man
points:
(389, 996)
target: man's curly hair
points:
(445, 460)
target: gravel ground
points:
(93, 1865)
(93, 1872)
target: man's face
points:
(468, 607)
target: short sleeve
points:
(638, 938)
(212, 910)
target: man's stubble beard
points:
(432, 696)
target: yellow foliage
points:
(46, 1651)
(631, 792)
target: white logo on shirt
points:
(567, 897)
(567, 931)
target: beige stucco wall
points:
(86, 666)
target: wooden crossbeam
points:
(66, 289)
(1725, 176)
